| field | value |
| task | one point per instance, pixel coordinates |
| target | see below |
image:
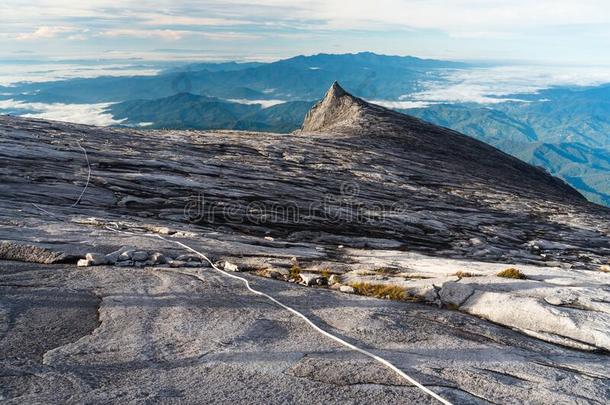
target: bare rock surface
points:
(363, 193)
(111, 334)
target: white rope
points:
(381, 360)
(82, 192)
(88, 176)
(47, 212)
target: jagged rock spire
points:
(336, 90)
(337, 109)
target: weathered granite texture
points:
(361, 192)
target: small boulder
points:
(455, 294)
(139, 255)
(227, 266)
(273, 274)
(157, 258)
(278, 274)
(347, 289)
(309, 279)
(177, 263)
(96, 259)
(334, 279)
(83, 263)
(283, 272)
(163, 230)
(126, 255)
(476, 242)
(188, 258)
(114, 256)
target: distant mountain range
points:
(298, 78)
(566, 130)
(190, 111)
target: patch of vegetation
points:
(385, 291)
(325, 274)
(463, 274)
(386, 270)
(415, 277)
(262, 271)
(512, 273)
(295, 271)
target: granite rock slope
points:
(360, 192)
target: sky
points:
(541, 31)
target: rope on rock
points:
(375, 357)
(88, 175)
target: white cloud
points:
(229, 36)
(401, 105)
(175, 35)
(164, 19)
(45, 32)
(170, 35)
(503, 29)
(263, 103)
(459, 17)
(15, 73)
(493, 85)
(78, 37)
(91, 114)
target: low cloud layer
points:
(11, 73)
(499, 84)
(263, 103)
(401, 105)
(92, 114)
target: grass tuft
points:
(294, 272)
(383, 291)
(463, 274)
(386, 270)
(512, 273)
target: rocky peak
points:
(337, 109)
(336, 90)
